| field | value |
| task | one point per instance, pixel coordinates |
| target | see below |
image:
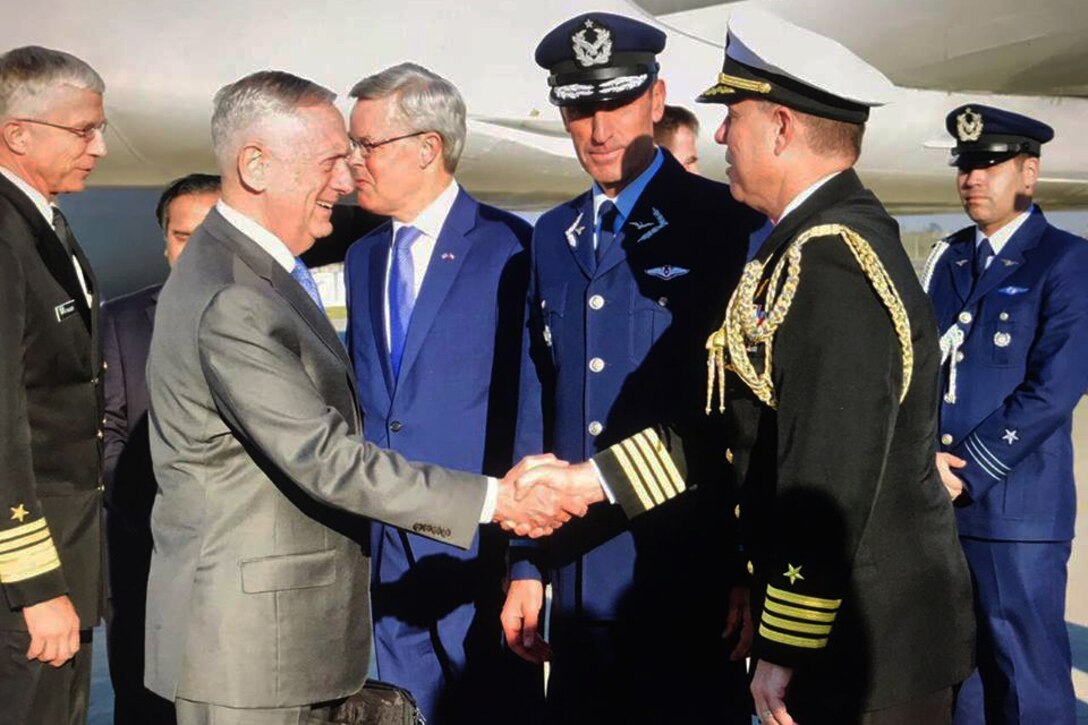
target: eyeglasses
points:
(365, 148)
(86, 133)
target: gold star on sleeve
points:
(18, 513)
(793, 573)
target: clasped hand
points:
(542, 493)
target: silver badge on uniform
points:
(1002, 339)
(596, 52)
(65, 310)
(969, 125)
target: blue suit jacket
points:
(453, 405)
(643, 315)
(1024, 366)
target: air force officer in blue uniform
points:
(627, 281)
(1011, 297)
(435, 301)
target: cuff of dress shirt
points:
(491, 499)
(604, 484)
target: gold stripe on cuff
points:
(25, 541)
(22, 530)
(804, 601)
(647, 476)
(798, 613)
(796, 626)
(789, 639)
(632, 476)
(654, 462)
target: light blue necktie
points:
(401, 293)
(306, 281)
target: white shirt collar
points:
(263, 238)
(433, 217)
(35, 196)
(804, 195)
(1002, 236)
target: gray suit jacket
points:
(258, 590)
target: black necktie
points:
(64, 232)
(607, 230)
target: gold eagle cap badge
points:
(969, 125)
(597, 52)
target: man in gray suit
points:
(257, 600)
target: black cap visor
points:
(992, 150)
(571, 85)
(738, 82)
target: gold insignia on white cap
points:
(969, 125)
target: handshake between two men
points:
(541, 493)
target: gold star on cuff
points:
(18, 513)
(793, 573)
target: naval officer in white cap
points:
(860, 592)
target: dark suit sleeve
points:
(250, 357)
(115, 430)
(1057, 376)
(29, 566)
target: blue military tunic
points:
(612, 348)
(1019, 369)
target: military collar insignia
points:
(1009, 262)
(667, 272)
(596, 52)
(961, 262)
(574, 231)
(969, 125)
(651, 228)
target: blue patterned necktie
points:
(306, 281)
(401, 293)
(606, 232)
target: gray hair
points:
(29, 72)
(246, 102)
(425, 101)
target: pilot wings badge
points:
(597, 52)
(969, 125)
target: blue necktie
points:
(401, 293)
(306, 281)
(983, 252)
(606, 231)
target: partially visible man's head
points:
(182, 208)
(408, 131)
(282, 151)
(603, 76)
(52, 118)
(790, 121)
(997, 160)
(678, 131)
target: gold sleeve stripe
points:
(632, 476)
(666, 460)
(646, 476)
(815, 602)
(29, 562)
(651, 458)
(25, 541)
(806, 642)
(797, 613)
(22, 530)
(792, 626)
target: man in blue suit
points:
(627, 281)
(129, 478)
(435, 299)
(1011, 299)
